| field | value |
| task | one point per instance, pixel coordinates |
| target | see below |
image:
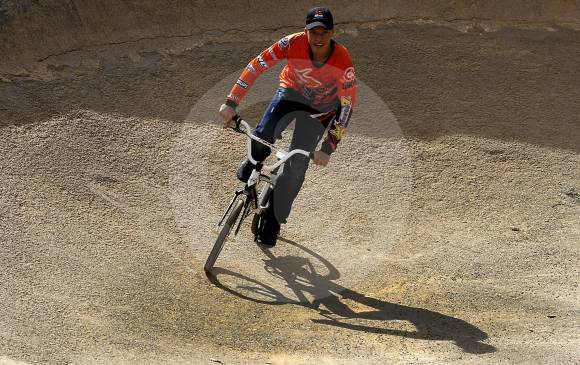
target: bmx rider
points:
(317, 90)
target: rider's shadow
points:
(302, 278)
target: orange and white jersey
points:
(325, 88)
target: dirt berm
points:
(446, 228)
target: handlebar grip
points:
(238, 120)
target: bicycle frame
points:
(249, 189)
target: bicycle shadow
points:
(301, 277)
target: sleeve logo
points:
(339, 132)
(284, 42)
(348, 84)
(262, 62)
(346, 105)
(235, 98)
(242, 84)
(251, 68)
(345, 100)
(349, 74)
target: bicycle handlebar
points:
(285, 154)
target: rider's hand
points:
(227, 113)
(320, 158)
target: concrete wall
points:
(31, 30)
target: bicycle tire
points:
(257, 224)
(224, 232)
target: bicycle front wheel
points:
(223, 235)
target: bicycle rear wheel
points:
(224, 232)
(257, 224)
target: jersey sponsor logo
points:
(307, 80)
(262, 62)
(349, 74)
(251, 68)
(242, 84)
(284, 42)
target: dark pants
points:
(287, 105)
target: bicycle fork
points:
(229, 208)
(247, 206)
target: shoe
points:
(245, 170)
(270, 233)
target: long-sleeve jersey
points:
(326, 88)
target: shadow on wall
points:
(301, 276)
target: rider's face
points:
(319, 38)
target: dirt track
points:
(455, 236)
